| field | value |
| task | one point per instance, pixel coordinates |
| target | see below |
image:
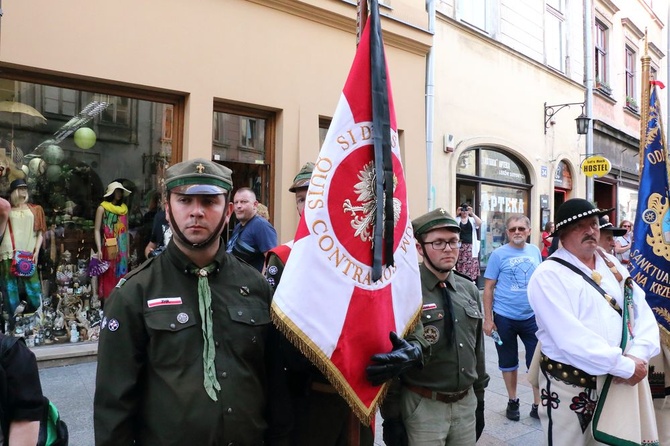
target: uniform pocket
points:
(249, 329)
(175, 336)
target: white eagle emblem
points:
(364, 214)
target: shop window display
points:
(68, 148)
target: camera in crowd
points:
(464, 207)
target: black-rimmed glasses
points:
(439, 245)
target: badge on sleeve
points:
(113, 325)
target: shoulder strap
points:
(591, 282)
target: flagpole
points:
(361, 17)
(644, 97)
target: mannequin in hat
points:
(320, 415)
(577, 295)
(187, 350)
(24, 231)
(443, 402)
(111, 237)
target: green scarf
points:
(205, 306)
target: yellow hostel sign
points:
(596, 166)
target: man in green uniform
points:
(321, 416)
(443, 403)
(186, 352)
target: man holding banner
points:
(650, 255)
(444, 402)
(352, 277)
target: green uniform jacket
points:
(455, 366)
(149, 386)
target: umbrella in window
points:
(17, 113)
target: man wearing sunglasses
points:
(506, 307)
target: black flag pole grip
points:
(381, 136)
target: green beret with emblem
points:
(435, 219)
(302, 179)
(198, 177)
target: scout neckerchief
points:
(610, 300)
(205, 306)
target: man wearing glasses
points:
(443, 403)
(506, 307)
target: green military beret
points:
(302, 179)
(199, 177)
(437, 218)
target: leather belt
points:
(322, 387)
(567, 373)
(446, 398)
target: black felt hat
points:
(576, 209)
(607, 226)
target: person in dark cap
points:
(578, 299)
(442, 403)
(320, 415)
(187, 352)
(607, 234)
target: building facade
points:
(506, 142)
(132, 87)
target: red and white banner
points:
(327, 302)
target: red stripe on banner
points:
(359, 84)
(364, 333)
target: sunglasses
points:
(517, 229)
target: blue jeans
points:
(509, 329)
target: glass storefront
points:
(69, 149)
(497, 186)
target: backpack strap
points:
(610, 300)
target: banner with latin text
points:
(330, 302)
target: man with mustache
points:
(579, 307)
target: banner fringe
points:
(334, 377)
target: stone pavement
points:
(71, 388)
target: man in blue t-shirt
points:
(506, 307)
(253, 235)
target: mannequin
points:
(26, 227)
(111, 237)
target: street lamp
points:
(582, 120)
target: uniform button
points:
(253, 339)
(460, 344)
(253, 321)
(230, 410)
(173, 326)
(455, 320)
(462, 369)
(224, 375)
(216, 343)
(239, 313)
(428, 316)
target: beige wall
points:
(289, 56)
(487, 94)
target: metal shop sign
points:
(596, 166)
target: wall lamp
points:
(582, 120)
